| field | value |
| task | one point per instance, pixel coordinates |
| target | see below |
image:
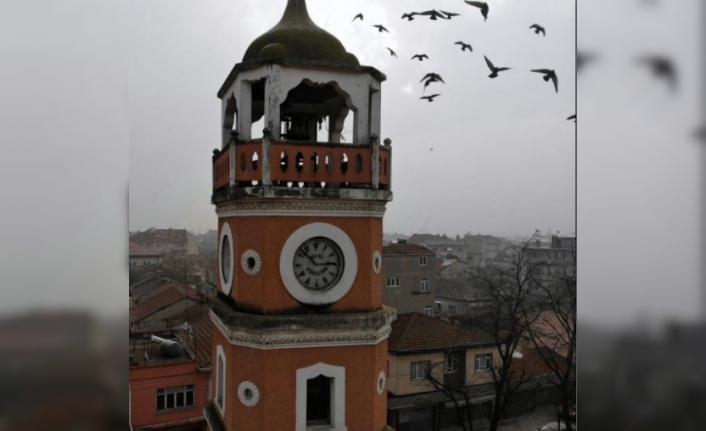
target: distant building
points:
(455, 356)
(168, 241)
(141, 256)
(409, 272)
(441, 245)
(159, 303)
(169, 378)
(458, 297)
(556, 258)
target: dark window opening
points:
(318, 400)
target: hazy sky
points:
(503, 159)
(85, 82)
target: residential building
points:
(442, 245)
(458, 297)
(409, 277)
(169, 376)
(157, 303)
(142, 256)
(177, 242)
(557, 258)
(426, 353)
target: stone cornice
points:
(301, 331)
(289, 208)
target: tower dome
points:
(298, 39)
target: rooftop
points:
(416, 332)
(402, 248)
(170, 294)
(136, 250)
(160, 235)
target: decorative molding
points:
(220, 354)
(301, 209)
(271, 340)
(255, 256)
(380, 383)
(248, 393)
(377, 262)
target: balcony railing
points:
(302, 164)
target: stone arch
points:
(308, 104)
(230, 118)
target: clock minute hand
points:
(310, 258)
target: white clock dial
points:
(318, 264)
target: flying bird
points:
(409, 16)
(538, 29)
(431, 77)
(432, 148)
(494, 69)
(573, 117)
(662, 67)
(464, 46)
(484, 8)
(549, 74)
(360, 15)
(381, 28)
(430, 98)
(392, 53)
(449, 15)
(433, 14)
(421, 57)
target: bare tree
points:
(457, 394)
(510, 287)
(553, 335)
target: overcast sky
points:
(503, 159)
(82, 82)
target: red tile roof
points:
(202, 330)
(406, 249)
(138, 250)
(532, 364)
(170, 295)
(416, 332)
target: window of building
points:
(318, 401)
(423, 261)
(452, 308)
(450, 364)
(420, 370)
(392, 282)
(484, 362)
(220, 378)
(320, 397)
(175, 398)
(429, 311)
(424, 285)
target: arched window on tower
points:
(317, 113)
(230, 119)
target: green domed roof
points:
(296, 37)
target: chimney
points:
(403, 245)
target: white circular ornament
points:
(377, 262)
(248, 393)
(251, 262)
(380, 385)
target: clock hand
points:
(310, 258)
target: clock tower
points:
(300, 331)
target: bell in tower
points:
(300, 331)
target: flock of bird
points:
(434, 15)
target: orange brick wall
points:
(274, 373)
(267, 235)
(144, 382)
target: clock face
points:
(318, 263)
